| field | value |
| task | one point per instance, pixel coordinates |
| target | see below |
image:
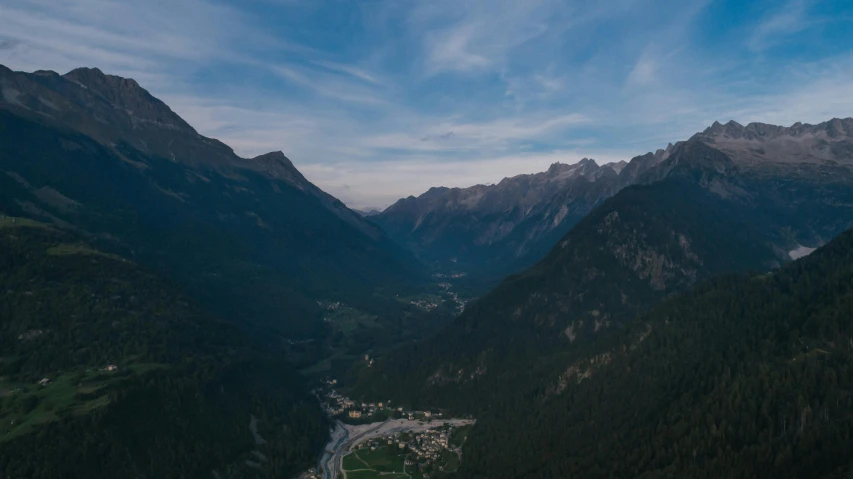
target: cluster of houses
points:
(451, 275)
(425, 305)
(337, 404)
(330, 305)
(460, 305)
(311, 473)
(424, 449)
(108, 367)
(429, 306)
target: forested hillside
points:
(486, 232)
(694, 216)
(250, 239)
(622, 258)
(744, 376)
(108, 371)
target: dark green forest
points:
(743, 376)
(108, 371)
(570, 371)
(620, 260)
(255, 250)
(162, 302)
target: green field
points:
(25, 406)
(81, 249)
(385, 461)
(460, 434)
(13, 222)
(374, 475)
(450, 461)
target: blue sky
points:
(375, 100)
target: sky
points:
(376, 100)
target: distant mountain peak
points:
(276, 165)
(762, 144)
(617, 166)
(117, 112)
(46, 73)
(586, 167)
(275, 157)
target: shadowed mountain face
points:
(488, 231)
(761, 146)
(520, 357)
(98, 154)
(109, 371)
(695, 214)
(743, 376)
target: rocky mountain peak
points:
(126, 94)
(276, 165)
(45, 73)
(586, 167)
(662, 154)
(276, 157)
(616, 166)
(764, 145)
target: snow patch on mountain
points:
(800, 252)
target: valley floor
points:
(345, 438)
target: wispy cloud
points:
(349, 70)
(450, 49)
(329, 86)
(381, 99)
(790, 18)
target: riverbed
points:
(346, 437)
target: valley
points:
(347, 441)
(171, 309)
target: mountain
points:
(487, 231)
(694, 212)
(743, 376)
(251, 238)
(368, 212)
(762, 146)
(107, 370)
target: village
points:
(339, 406)
(427, 452)
(403, 443)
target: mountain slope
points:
(108, 371)
(488, 231)
(694, 215)
(759, 145)
(745, 376)
(251, 237)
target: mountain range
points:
(745, 375)
(250, 238)
(489, 231)
(693, 212)
(682, 314)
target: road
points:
(345, 437)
